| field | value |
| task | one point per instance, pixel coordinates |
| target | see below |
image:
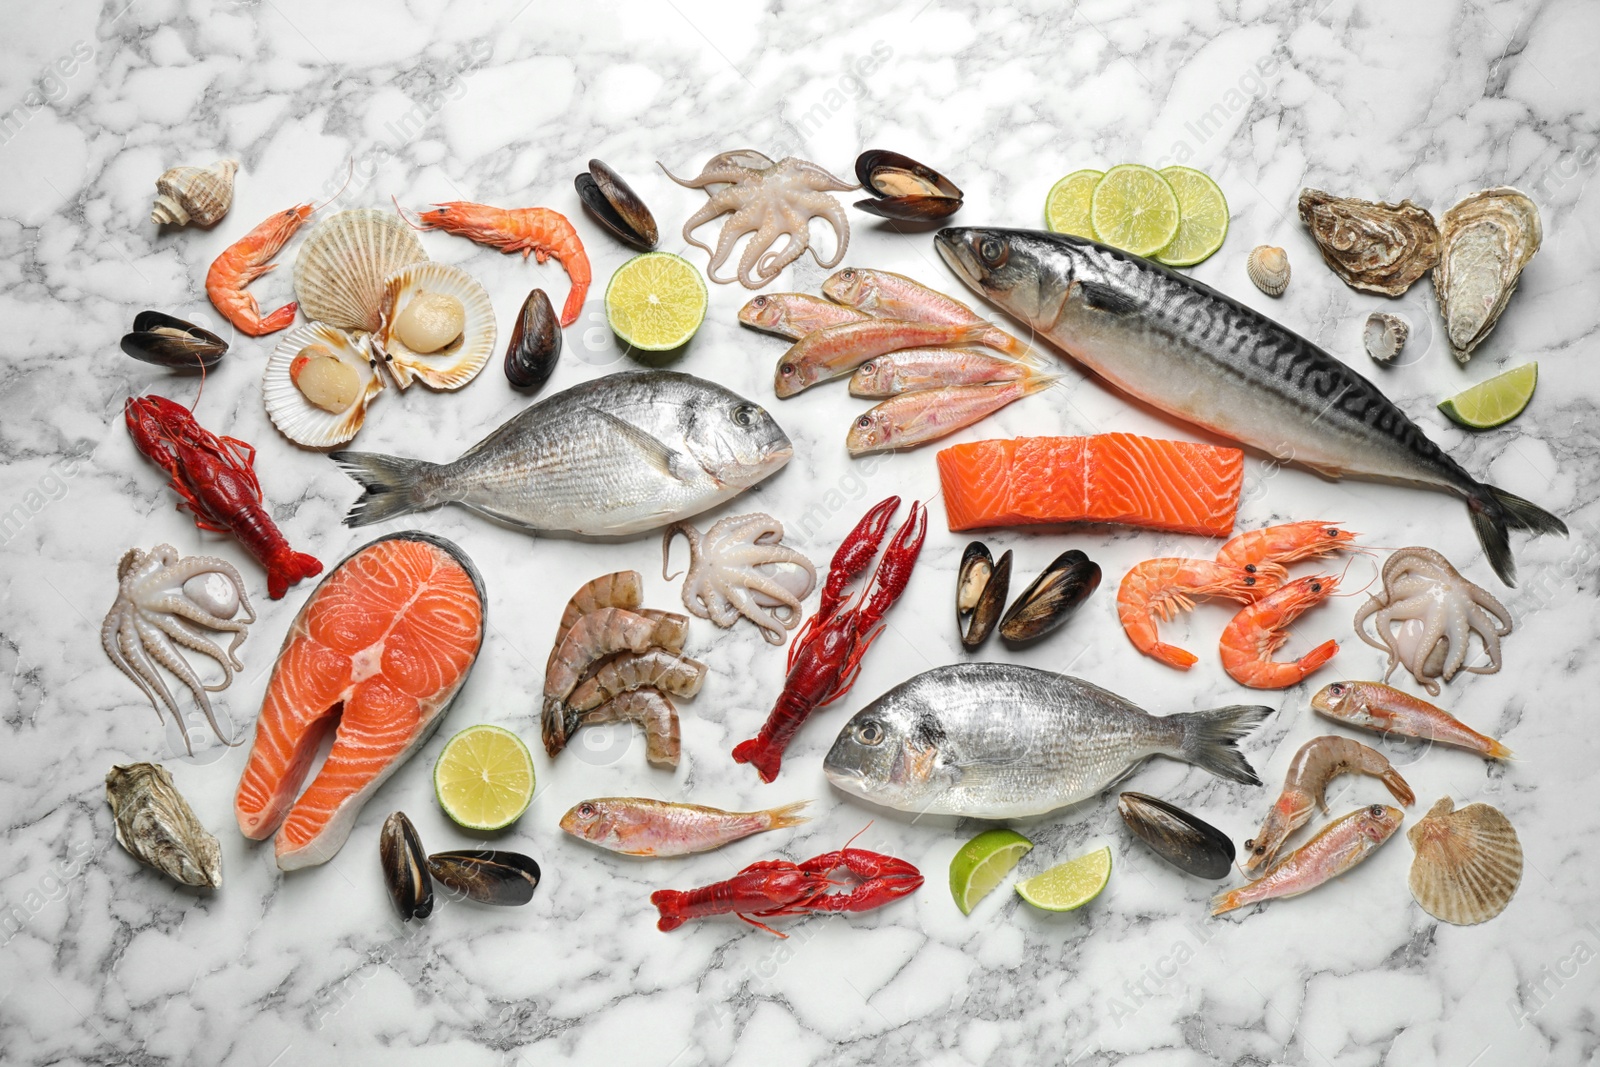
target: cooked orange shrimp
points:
(1319, 761)
(1285, 543)
(536, 230)
(246, 260)
(1262, 628)
(1160, 588)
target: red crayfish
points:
(216, 478)
(826, 655)
(777, 887)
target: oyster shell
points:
(1488, 239)
(201, 195)
(157, 826)
(1268, 267)
(168, 341)
(458, 362)
(1468, 862)
(1385, 335)
(1378, 248)
(296, 417)
(405, 868)
(341, 268)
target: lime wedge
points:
(1134, 209)
(982, 863)
(1066, 209)
(484, 778)
(1496, 401)
(1203, 218)
(1071, 885)
(656, 302)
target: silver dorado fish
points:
(1203, 357)
(996, 741)
(619, 455)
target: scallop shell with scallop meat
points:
(1488, 239)
(296, 417)
(1374, 247)
(340, 271)
(458, 362)
(1468, 862)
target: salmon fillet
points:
(377, 654)
(1115, 477)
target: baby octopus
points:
(1425, 617)
(738, 567)
(770, 200)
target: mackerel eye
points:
(870, 732)
(993, 251)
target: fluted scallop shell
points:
(458, 362)
(201, 195)
(1488, 239)
(1468, 862)
(1268, 267)
(299, 419)
(157, 826)
(339, 273)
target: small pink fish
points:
(1375, 706)
(1337, 847)
(838, 350)
(912, 419)
(912, 369)
(886, 295)
(793, 315)
(636, 826)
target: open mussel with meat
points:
(1188, 843)
(535, 344)
(168, 341)
(904, 189)
(1052, 597)
(615, 205)
(405, 867)
(488, 876)
(981, 588)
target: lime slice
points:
(1496, 401)
(1134, 209)
(656, 301)
(982, 863)
(484, 778)
(1066, 209)
(1071, 885)
(1203, 218)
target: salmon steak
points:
(1111, 477)
(376, 655)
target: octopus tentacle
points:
(747, 219)
(186, 635)
(758, 249)
(122, 648)
(136, 652)
(831, 210)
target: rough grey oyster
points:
(1378, 248)
(157, 826)
(1488, 238)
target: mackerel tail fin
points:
(391, 485)
(1495, 513)
(1210, 739)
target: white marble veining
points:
(102, 961)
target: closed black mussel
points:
(171, 342)
(487, 876)
(616, 206)
(1053, 596)
(535, 344)
(981, 589)
(904, 189)
(405, 867)
(1188, 843)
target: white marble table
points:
(102, 961)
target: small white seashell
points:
(296, 417)
(201, 195)
(339, 273)
(458, 362)
(213, 592)
(1468, 863)
(1268, 267)
(1385, 335)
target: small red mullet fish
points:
(637, 826)
(1386, 710)
(1337, 847)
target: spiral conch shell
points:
(157, 826)
(1488, 238)
(201, 195)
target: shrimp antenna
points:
(1354, 592)
(348, 176)
(406, 218)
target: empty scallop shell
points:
(1468, 863)
(457, 363)
(340, 271)
(299, 419)
(201, 195)
(1268, 267)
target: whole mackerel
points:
(1203, 357)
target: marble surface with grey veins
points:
(103, 961)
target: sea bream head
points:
(890, 752)
(1028, 273)
(734, 440)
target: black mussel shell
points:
(405, 867)
(1184, 841)
(990, 605)
(535, 344)
(171, 342)
(486, 875)
(616, 206)
(904, 189)
(1053, 596)
(911, 208)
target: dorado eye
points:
(870, 733)
(743, 415)
(993, 251)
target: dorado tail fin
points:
(1495, 513)
(390, 483)
(1210, 739)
